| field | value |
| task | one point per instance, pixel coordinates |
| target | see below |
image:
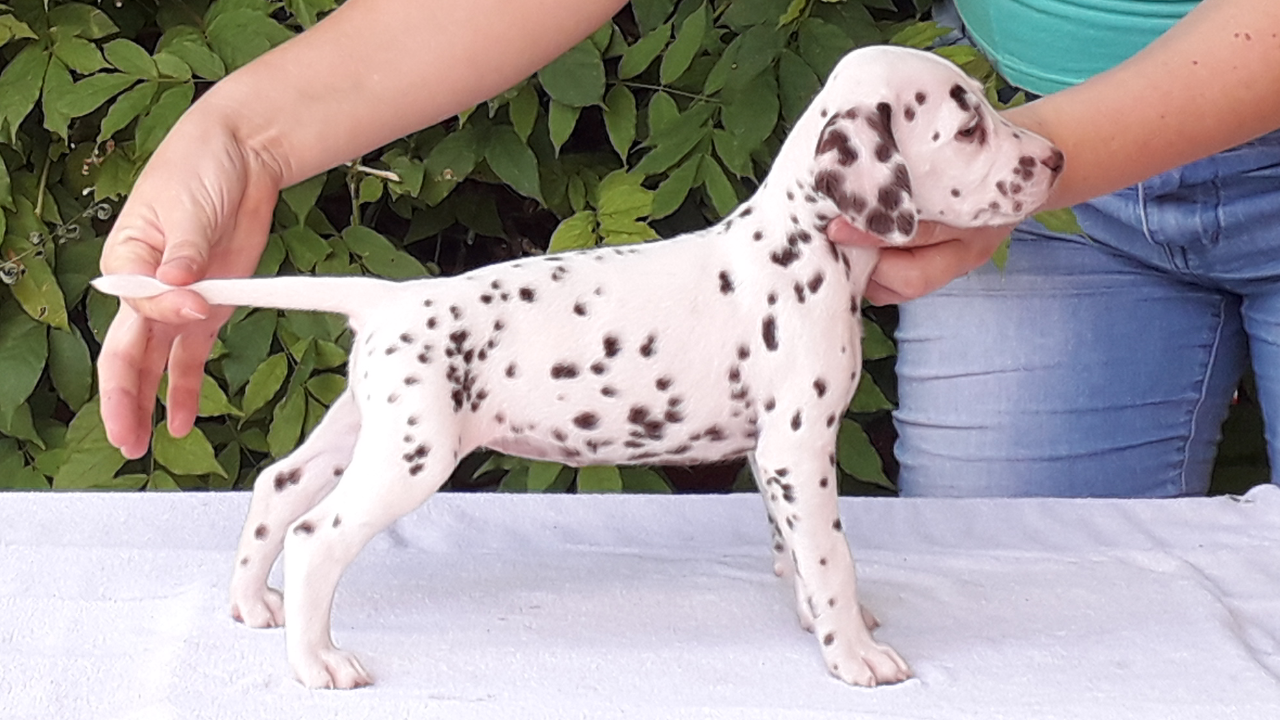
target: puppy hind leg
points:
(383, 485)
(281, 494)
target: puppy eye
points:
(971, 131)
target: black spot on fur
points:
(829, 639)
(609, 391)
(961, 97)
(663, 383)
(650, 347)
(612, 346)
(598, 368)
(528, 294)
(586, 420)
(260, 532)
(820, 387)
(564, 371)
(511, 370)
(785, 256)
(769, 332)
(815, 282)
(744, 352)
(288, 478)
(304, 528)
(796, 422)
(726, 283)
(337, 520)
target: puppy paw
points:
(263, 609)
(864, 662)
(332, 668)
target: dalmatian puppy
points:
(740, 339)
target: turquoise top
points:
(1047, 45)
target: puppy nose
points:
(1054, 161)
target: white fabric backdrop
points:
(496, 606)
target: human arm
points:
(369, 73)
(1211, 82)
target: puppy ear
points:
(858, 167)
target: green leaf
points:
(57, 87)
(265, 382)
(723, 197)
(576, 78)
(797, 85)
(160, 119)
(663, 113)
(620, 119)
(239, 36)
(370, 189)
(247, 342)
(302, 196)
(542, 475)
(576, 232)
(751, 112)
(748, 55)
(326, 387)
(39, 293)
(308, 11)
(286, 423)
(20, 84)
(6, 193)
(81, 20)
(90, 461)
(523, 111)
(172, 66)
(380, 256)
(191, 48)
(78, 54)
(672, 141)
(15, 474)
(70, 367)
(1000, 258)
(1060, 221)
(686, 45)
(23, 351)
(513, 162)
(822, 45)
(640, 56)
(875, 343)
(213, 401)
(599, 479)
(11, 28)
(919, 35)
(188, 455)
(126, 108)
(622, 201)
(644, 480)
(454, 157)
(671, 193)
(130, 58)
(858, 457)
(868, 398)
(161, 481)
(561, 120)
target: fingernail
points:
(190, 314)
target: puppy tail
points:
(350, 296)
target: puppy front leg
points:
(798, 469)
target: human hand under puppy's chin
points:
(936, 255)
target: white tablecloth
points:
(498, 606)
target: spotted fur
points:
(740, 339)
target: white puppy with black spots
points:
(741, 339)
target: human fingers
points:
(129, 369)
(910, 272)
(187, 356)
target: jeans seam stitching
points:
(1204, 391)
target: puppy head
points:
(931, 148)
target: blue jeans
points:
(1102, 365)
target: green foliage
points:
(661, 122)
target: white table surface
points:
(500, 606)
